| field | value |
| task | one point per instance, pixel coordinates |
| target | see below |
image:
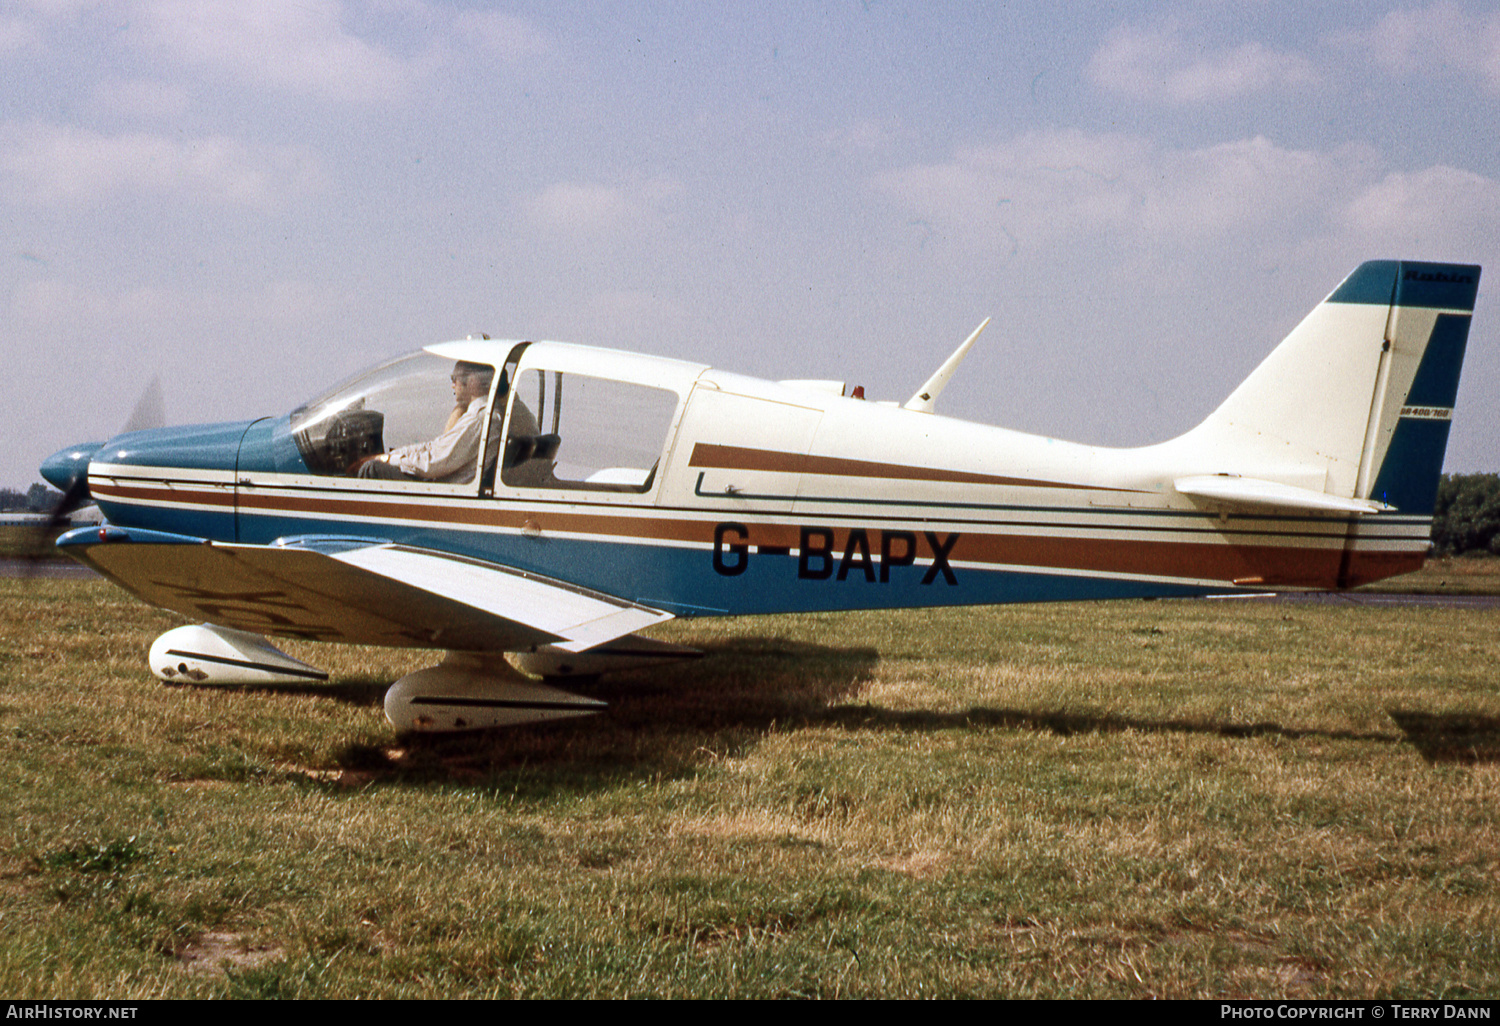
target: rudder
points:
(1430, 314)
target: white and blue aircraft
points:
(567, 497)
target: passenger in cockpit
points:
(452, 455)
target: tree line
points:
(1466, 518)
(39, 498)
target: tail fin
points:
(1356, 402)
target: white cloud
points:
(1429, 212)
(16, 33)
(1071, 189)
(302, 47)
(344, 51)
(328, 48)
(864, 136)
(509, 37)
(60, 8)
(1164, 65)
(55, 165)
(1044, 186)
(51, 304)
(1441, 36)
(144, 98)
(583, 205)
(55, 10)
(590, 208)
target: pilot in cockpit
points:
(452, 455)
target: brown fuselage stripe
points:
(1307, 565)
(734, 457)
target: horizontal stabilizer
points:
(1257, 494)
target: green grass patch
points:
(1170, 799)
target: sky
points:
(254, 200)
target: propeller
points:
(76, 490)
(150, 410)
(68, 469)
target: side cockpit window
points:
(417, 418)
(569, 430)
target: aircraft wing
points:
(360, 591)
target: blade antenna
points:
(926, 398)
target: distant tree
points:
(39, 498)
(1467, 515)
(42, 498)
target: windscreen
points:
(402, 402)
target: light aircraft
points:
(617, 491)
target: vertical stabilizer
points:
(1356, 402)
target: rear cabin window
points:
(570, 430)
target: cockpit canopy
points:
(608, 433)
(569, 416)
(404, 401)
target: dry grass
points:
(1137, 799)
(1473, 574)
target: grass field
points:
(1455, 575)
(27, 543)
(1170, 799)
